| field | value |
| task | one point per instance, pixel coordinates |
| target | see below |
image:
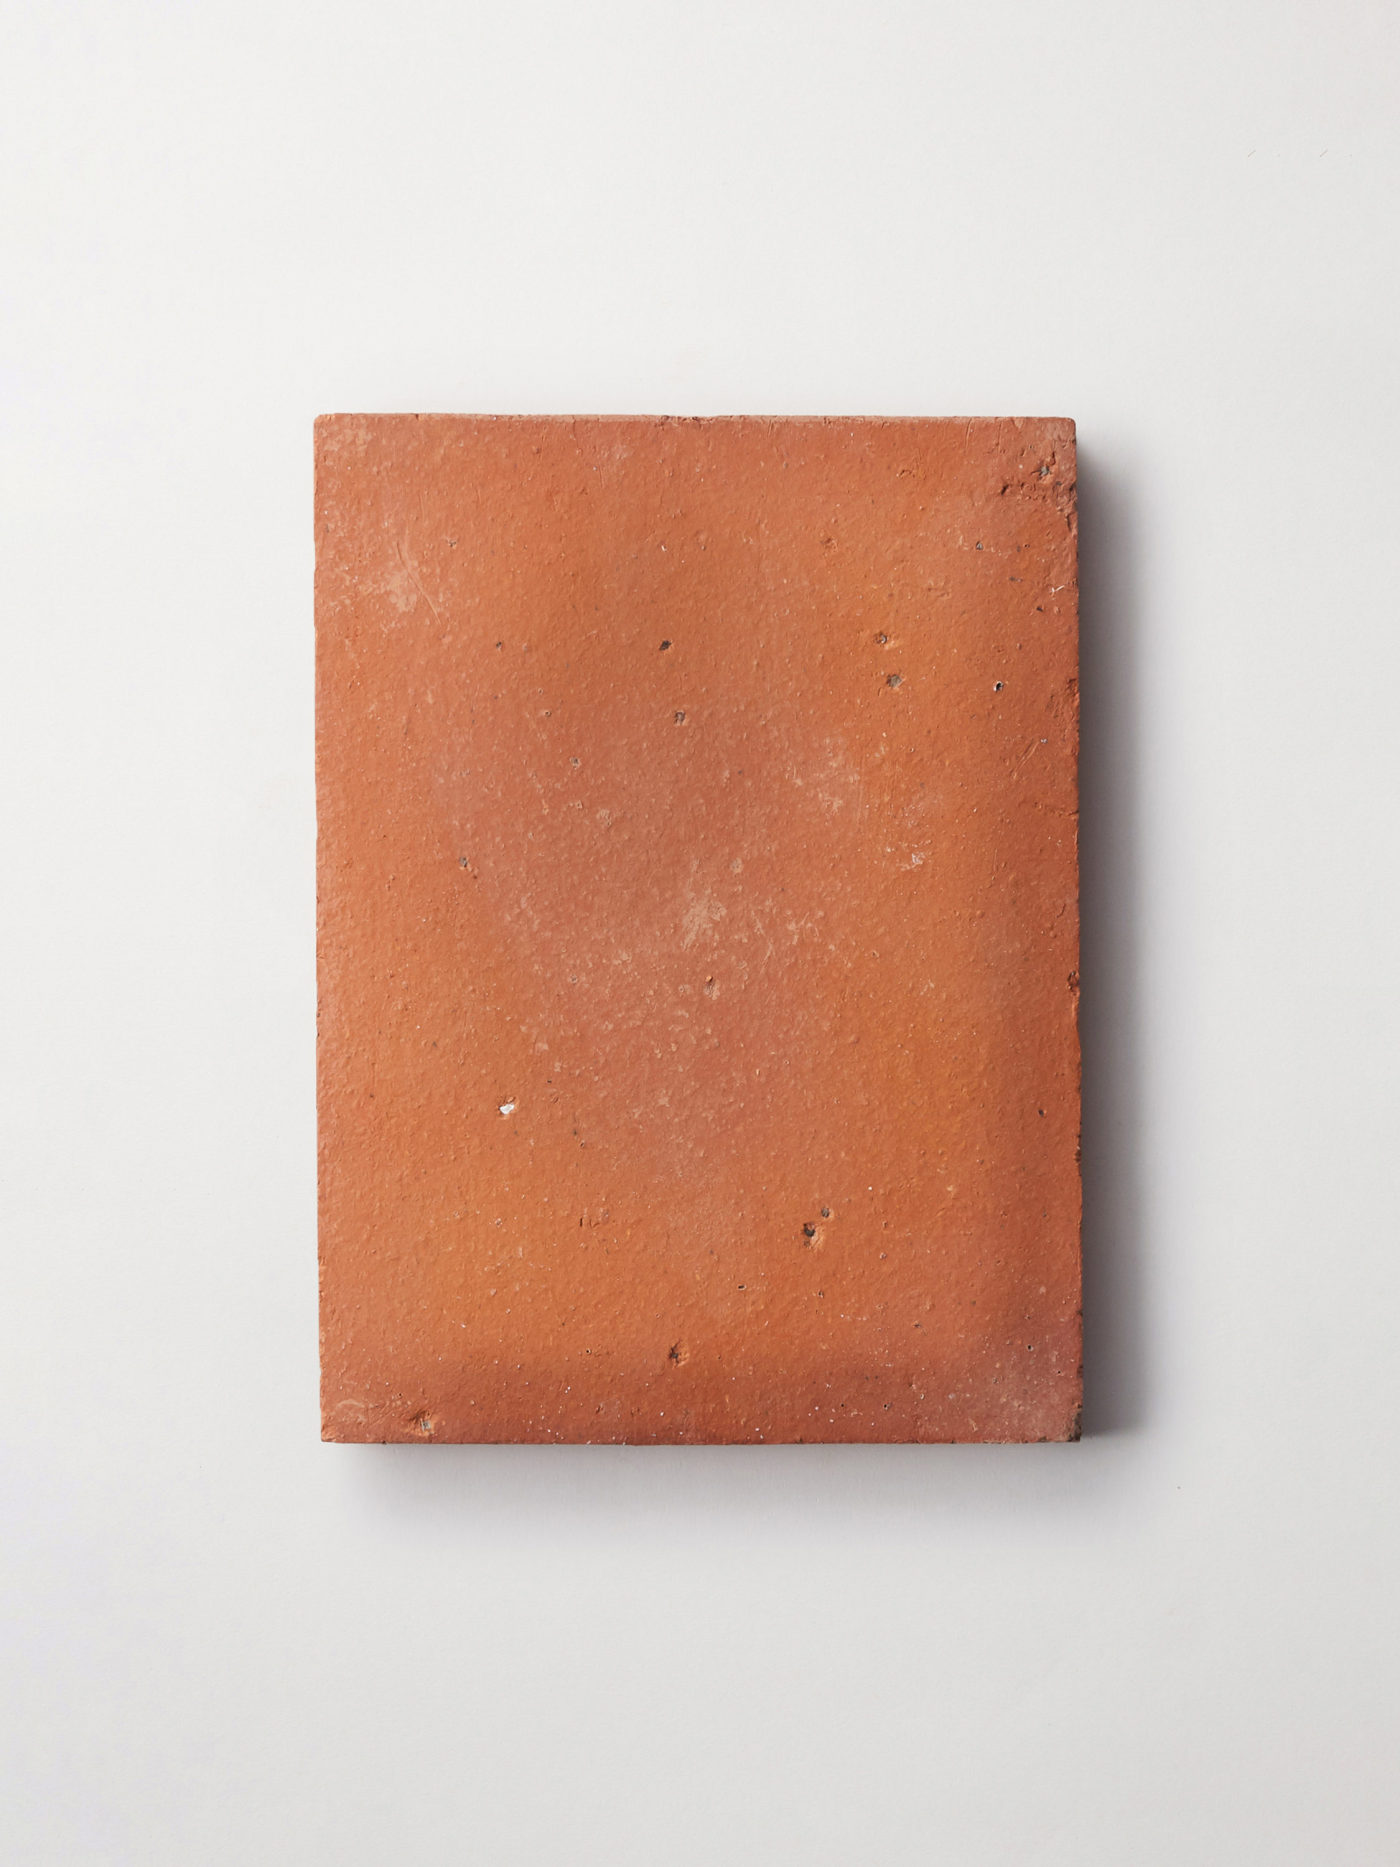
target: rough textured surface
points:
(698, 933)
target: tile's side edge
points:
(324, 432)
(1069, 442)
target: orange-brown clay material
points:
(697, 929)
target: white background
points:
(1173, 1643)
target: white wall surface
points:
(228, 1644)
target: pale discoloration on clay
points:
(698, 929)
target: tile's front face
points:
(698, 932)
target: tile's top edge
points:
(1039, 421)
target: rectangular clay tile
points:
(697, 929)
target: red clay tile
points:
(698, 931)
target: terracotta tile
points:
(698, 932)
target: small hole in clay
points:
(826, 1212)
(680, 719)
(664, 647)
(882, 638)
(997, 687)
(809, 1231)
